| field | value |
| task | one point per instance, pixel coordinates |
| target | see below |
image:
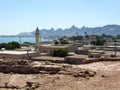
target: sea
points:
(22, 39)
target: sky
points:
(25, 15)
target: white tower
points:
(37, 34)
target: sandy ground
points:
(103, 66)
(107, 78)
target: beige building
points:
(50, 48)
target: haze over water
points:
(21, 40)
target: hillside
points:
(108, 29)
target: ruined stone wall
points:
(26, 67)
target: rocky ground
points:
(93, 76)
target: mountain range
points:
(108, 30)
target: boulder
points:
(32, 85)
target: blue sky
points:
(25, 15)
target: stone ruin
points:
(35, 67)
(26, 67)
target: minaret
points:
(37, 34)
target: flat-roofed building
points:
(7, 54)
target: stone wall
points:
(25, 67)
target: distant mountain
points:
(108, 30)
(25, 34)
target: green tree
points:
(15, 44)
(118, 36)
(64, 41)
(56, 42)
(29, 43)
(12, 45)
(103, 35)
(99, 41)
(60, 53)
(76, 38)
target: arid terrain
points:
(93, 76)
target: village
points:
(75, 52)
(60, 65)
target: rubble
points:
(22, 68)
(28, 67)
(11, 86)
(77, 72)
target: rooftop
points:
(55, 46)
(15, 52)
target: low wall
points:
(74, 60)
(86, 61)
(82, 52)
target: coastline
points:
(6, 39)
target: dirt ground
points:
(107, 78)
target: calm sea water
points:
(21, 40)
